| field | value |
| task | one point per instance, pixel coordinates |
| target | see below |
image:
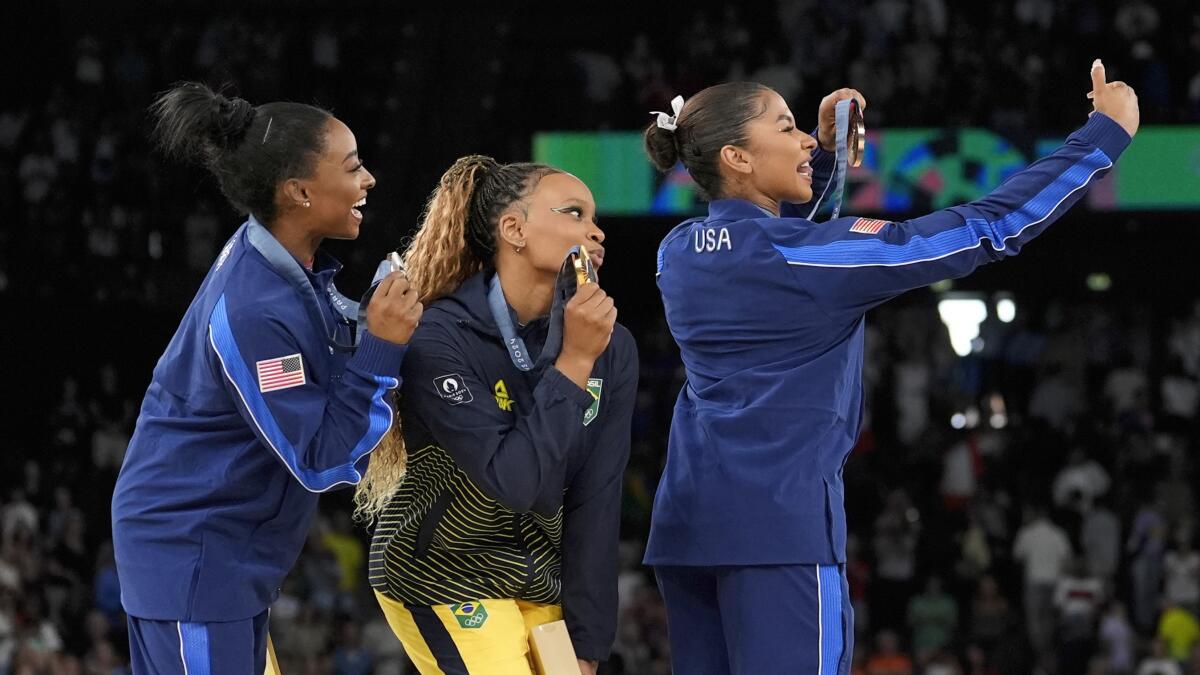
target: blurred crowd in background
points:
(1029, 508)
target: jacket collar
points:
(736, 209)
(469, 306)
(469, 303)
(261, 240)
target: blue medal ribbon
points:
(516, 346)
(503, 318)
(842, 128)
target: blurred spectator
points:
(351, 657)
(1118, 639)
(990, 614)
(1158, 662)
(1077, 598)
(887, 658)
(895, 544)
(1146, 546)
(1179, 630)
(347, 549)
(1100, 538)
(17, 514)
(962, 464)
(858, 576)
(387, 653)
(1080, 482)
(1043, 549)
(1182, 567)
(933, 618)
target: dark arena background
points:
(1049, 398)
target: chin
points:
(349, 233)
(801, 197)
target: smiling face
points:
(338, 186)
(774, 163)
(557, 214)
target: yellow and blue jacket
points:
(514, 478)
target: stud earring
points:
(518, 247)
(307, 203)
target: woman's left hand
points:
(827, 116)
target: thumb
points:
(1098, 77)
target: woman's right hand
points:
(587, 328)
(1115, 99)
(393, 312)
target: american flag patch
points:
(868, 226)
(280, 373)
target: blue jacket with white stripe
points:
(259, 403)
(768, 314)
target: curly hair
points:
(456, 240)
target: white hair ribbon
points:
(666, 121)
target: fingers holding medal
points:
(827, 123)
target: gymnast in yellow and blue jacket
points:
(515, 412)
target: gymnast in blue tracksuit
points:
(263, 399)
(748, 530)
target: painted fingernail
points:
(1097, 64)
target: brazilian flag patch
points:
(595, 384)
(469, 614)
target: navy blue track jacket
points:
(513, 486)
(768, 314)
(258, 404)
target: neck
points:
(526, 290)
(766, 203)
(760, 200)
(302, 245)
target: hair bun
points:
(231, 119)
(662, 147)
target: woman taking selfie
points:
(748, 532)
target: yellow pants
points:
(484, 637)
(272, 662)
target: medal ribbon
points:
(842, 126)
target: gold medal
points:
(585, 273)
(856, 138)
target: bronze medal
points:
(856, 139)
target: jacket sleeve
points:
(852, 264)
(518, 458)
(322, 433)
(592, 517)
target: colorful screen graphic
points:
(906, 170)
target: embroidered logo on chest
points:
(503, 400)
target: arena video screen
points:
(906, 170)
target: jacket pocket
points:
(430, 522)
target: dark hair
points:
(495, 188)
(457, 235)
(250, 150)
(709, 121)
